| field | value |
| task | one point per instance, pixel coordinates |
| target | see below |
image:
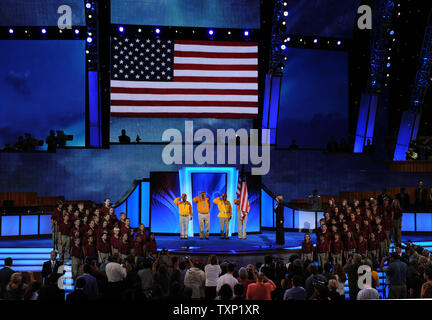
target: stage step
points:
(25, 258)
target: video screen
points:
(313, 98)
(187, 13)
(39, 12)
(43, 80)
(214, 184)
(323, 18)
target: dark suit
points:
(77, 295)
(47, 268)
(404, 200)
(5, 275)
(421, 198)
(280, 235)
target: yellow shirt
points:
(203, 205)
(224, 207)
(237, 202)
(185, 207)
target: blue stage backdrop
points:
(43, 80)
(322, 18)
(187, 13)
(215, 185)
(313, 98)
(165, 188)
(38, 12)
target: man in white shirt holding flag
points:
(243, 206)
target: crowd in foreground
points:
(408, 272)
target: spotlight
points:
(211, 32)
(339, 43)
(11, 31)
(157, 30)
(315, 40)
(285, 13)
(139, 30)
(229, 32)
(285, 4)
(87, 51)
(283, 47)
(246, 33)
(88, 5)
(90, 16)
(121, 29)
(43, 30)
(288, 39)
(76, 31)
(388, 65)
(89, 39)
(392, 32)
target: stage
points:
(29, 254)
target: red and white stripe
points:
(242, 194)
(216, 79)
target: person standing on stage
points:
(225, 213)
(56, 216)
(185, 210)
(279, 210)
(203, 206)
(241, 221)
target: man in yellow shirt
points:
(203, 206)
(225, 213)
(185, 210)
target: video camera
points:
(61, 138)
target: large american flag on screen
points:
(183, 78)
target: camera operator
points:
(320, 289)
(312, 270)
(51, 141)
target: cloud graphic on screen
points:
(19, 81)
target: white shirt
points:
(368, 294)
(341, 286)
(226, 279)
(115, 272)
(212, 273)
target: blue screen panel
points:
(304, 219)
(214, 184)
(10, 226)
(119, 209)
(408, 222)
(45, 224)
(133, 208)
(165, 187)
(187, 13)
(145, 203)
(39, 12)
(267, 206)
(30, 69)
(288, 221)
(29, 225)
(313, 98)
(424, 222)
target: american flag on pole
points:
(242, 194)
(184, 78)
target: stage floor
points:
(255, 243)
